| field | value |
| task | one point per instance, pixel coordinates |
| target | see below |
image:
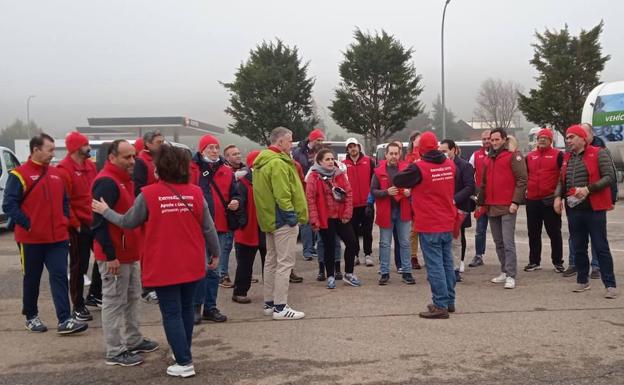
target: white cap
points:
(352, 141)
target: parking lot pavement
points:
(538, 333)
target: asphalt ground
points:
(538, 333)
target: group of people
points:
(162, 223)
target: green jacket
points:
(278, 192)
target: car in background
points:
(467, 148)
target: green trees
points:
(271, 89)
(17, 130)
(379, 89)
(569, 68)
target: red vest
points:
(79, 179)
(223, 179)
(383, 205)
(322, 205)
(500, 182)
(360, 174)
(432, 199)
(248, 235)
(412, 156)
(599, 200)
(125, 241)
(543, 173)
(43, 206)
(175, 248)
(146, 157)
(480, 157)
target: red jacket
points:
(249, 234)
(432, 199)
(78, 179)
(543, 172)
(127, 242)
(43, 206)
(500, 182)
(146, 157)
(321, 203)
(412, 156)
(223, 178)
(384, 205)
(360, 173)
(480, 158)
(174, 250)
(599, 200)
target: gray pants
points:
(503, 232)
(120, 308)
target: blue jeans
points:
(207, 290)
(583, 225)
(307, 240)
(321, 251)
(572, 257)
(480, 234)
(225, 244)
(437, 251)
(176, 308)
(404, 229)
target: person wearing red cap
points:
(586, 177)
(543, 165)
(503, 188)
(210, 172)
(78, 172)
(248, 237)
(432, 180)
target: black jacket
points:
(464, 188)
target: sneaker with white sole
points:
(331, 282)
(287, 314)
(71, 326)
(510, 283)
(499, 279)
(351, 279)
(462, 267)
(267, 310)
(35, 325)
(125, 359)
(611, 293)
(181, 370)
(150, 297)
(581, 287)
(369, 260)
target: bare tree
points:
(497, 103)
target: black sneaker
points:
(532, 267)
(294, 278)
(146, 346)
(595, 274)
(408, 279)
(125, 359)
(320, 276)
(35, 325)
(559, 268)
(93, 301)
(458, 276)
(476, 261)
(338, 276)
(82, 314)
(383, 280)
(214, 315)
(570, 271)
(71, 326)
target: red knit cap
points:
(577, 130)
(205, 140)
(428, 142)
(74, 140)
(139, 145)
(545, 132)
(316, 134)
(251, 157)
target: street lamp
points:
(28, 113)
(443, 98)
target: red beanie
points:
(251, 157)
(316, 134)
(74, 140)
(545, 132)
(577, 130)
(139, 145)
(205, 140)
(428, 142)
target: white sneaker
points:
(288, 314)
(369, 260)
(181, 370)
(267, 310)
(500, 279)
(461, 266)
(510, 283)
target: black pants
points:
(345, 232)
(95, 289)
(537, 214)
(362, 227)
(463, 241)
(245, 256)
(80, 245)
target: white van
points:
(467, 148)
(8, 162)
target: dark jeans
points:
(96, 282)
(436, 249)
(54, 257)
(345, 232)
(362, 226)
(176, 308)
(537, 214)
(245, 256)
(463, 241)
(80, 245)
(207, 290)
(481, 234)
(585, 224)
(397, 248)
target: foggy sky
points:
(157, 58)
